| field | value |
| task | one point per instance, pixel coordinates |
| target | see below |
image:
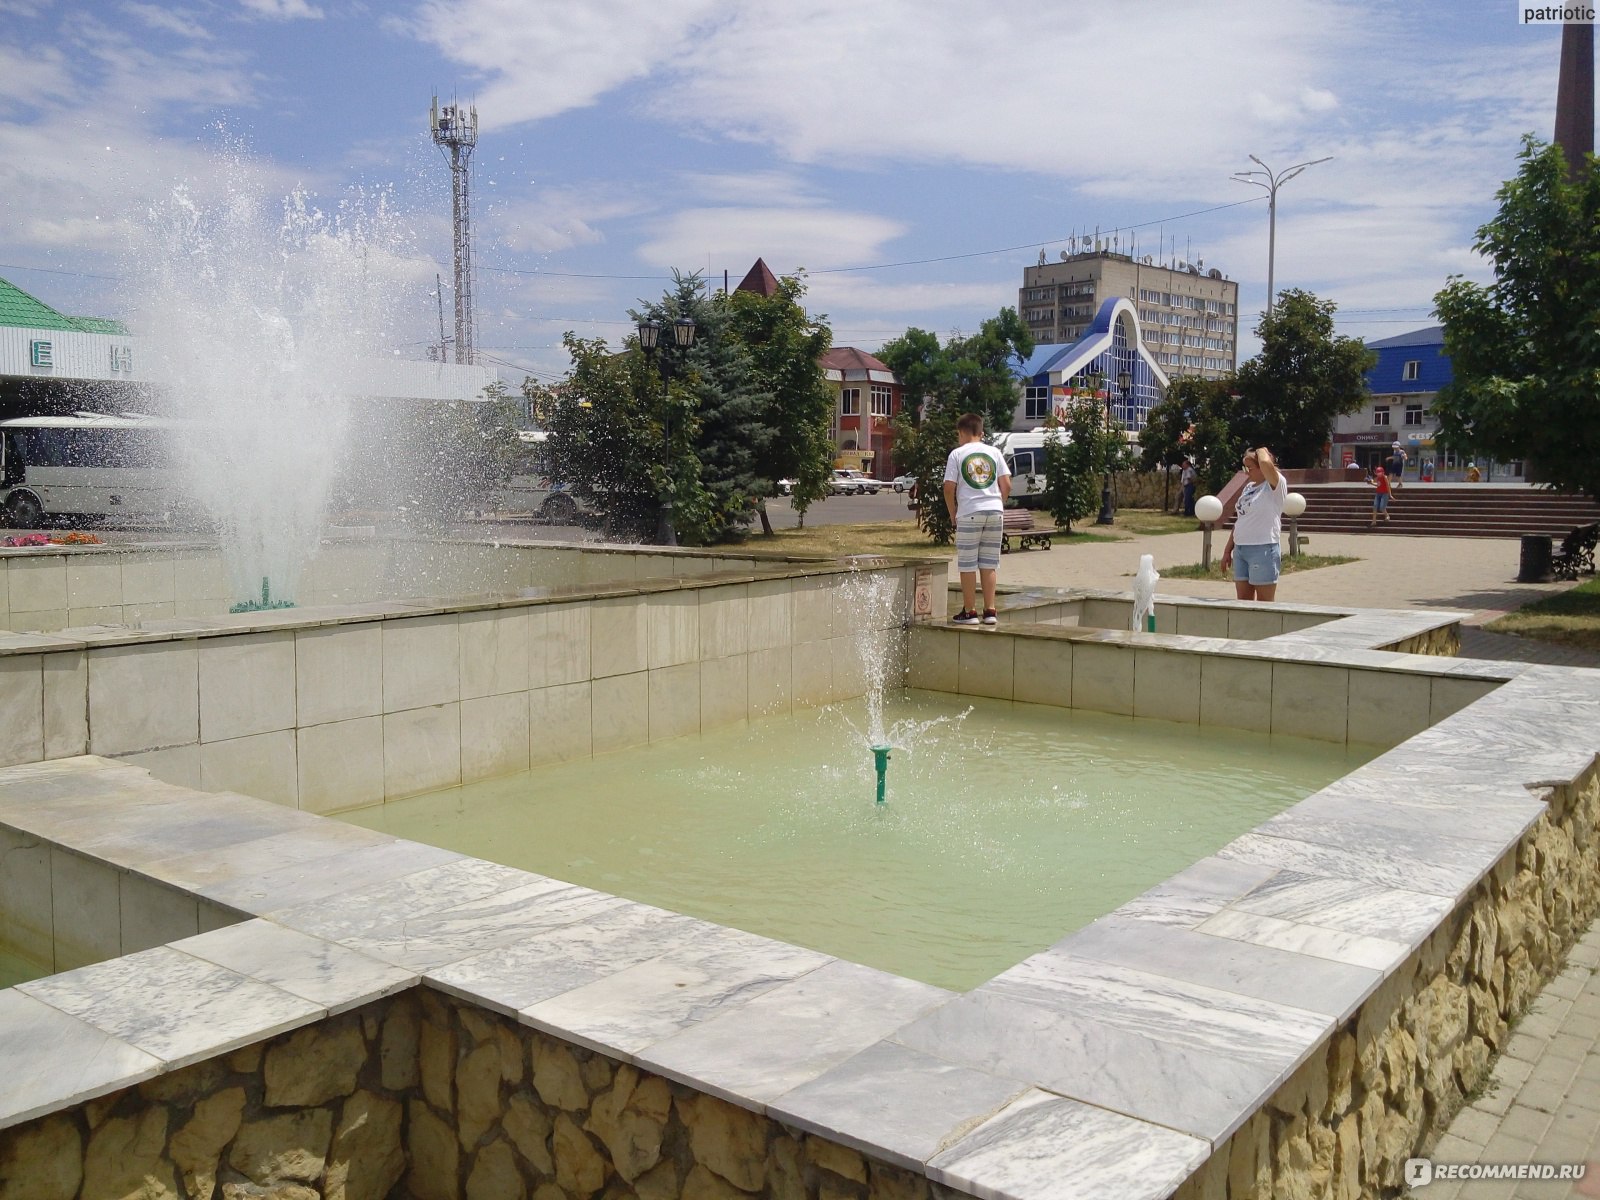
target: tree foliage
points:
(1193, 421)
(786, 346)
(712, 427)
(1525, 349)
(1288, 395)
(942, 381)
(1075, 462)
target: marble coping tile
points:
(429, 939)
(712, 971)
(897, 1104)
(1186, 1088)
(198, 871)
(1346, 905)
(1039, 1141)
(382, 905)
(53, 1061)
(1318, 941)
(754, 1053)
(329, 975)
(1164, 1008)
(1450, 873)
(307, 880)
(173, 1006)
(1188, 956)
(1344, 819)
(520, 974)
(37, 643)
(132, 837)
(1194, 893)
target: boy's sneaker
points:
(964, 618)
(989, 617)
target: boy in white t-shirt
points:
(977, 483)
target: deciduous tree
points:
(1525, 349)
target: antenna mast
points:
(455, 132)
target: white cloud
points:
(282, 10)
(168, 20)
(553, 219)
(785, 237)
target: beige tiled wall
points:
(63, 910)
(339, 716)
(1325, 701)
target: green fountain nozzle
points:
(267, 602)
(880, 761)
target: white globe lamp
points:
(1294, 504)
(1208, 509)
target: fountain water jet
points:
(260, 313)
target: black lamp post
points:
(1124, 383)
(649, 337)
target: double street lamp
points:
(1124, 386)
(649, 339)
(1270, 182)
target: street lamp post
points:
(649, 337)
(1270, 182)
(1124, 384)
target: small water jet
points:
(1144, 595)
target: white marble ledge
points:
(712, 971)
(1042, 1147)
(1349, 815)
(305, 879)
(175, 1007)
(519, 975)
(1194, 893)
(1187, 956)
(1346, 906)
(54, 1061)
(788, 1036)
(1370, 862)
(322, 972)
(37, 643)
(933, 1103)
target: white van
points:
(1024, 454)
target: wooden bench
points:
(1576, 552)
(1018, 524)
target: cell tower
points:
(455, 133)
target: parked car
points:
(851, 482)
(904, 483)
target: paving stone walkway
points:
(1542, 1104)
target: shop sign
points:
(41, 354)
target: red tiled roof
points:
(760, 279)
(848, 358)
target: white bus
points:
(86, 465)
(1025, 455)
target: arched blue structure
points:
(1109, 346)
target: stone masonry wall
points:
(1392, 1076)
(425, 1098)
(1443, 642)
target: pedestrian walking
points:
(1380, 497)
(1187, 478)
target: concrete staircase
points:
(1500, 510)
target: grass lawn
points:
(897, 539)
(1290, 565)
(1152, 520)
(1570, 618)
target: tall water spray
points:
(260, 312)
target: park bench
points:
(1576, 553)
(1018, 523)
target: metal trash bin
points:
(1536, 553)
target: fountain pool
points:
(1004, 829)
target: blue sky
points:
(620, 140)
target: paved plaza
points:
(1543, 1102)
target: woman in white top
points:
(1252, 548)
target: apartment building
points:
(1188, 315)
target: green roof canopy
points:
(18, 308)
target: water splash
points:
(872, 605)
(259, 311)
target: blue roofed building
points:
(1410, 370)
(1110, 355)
